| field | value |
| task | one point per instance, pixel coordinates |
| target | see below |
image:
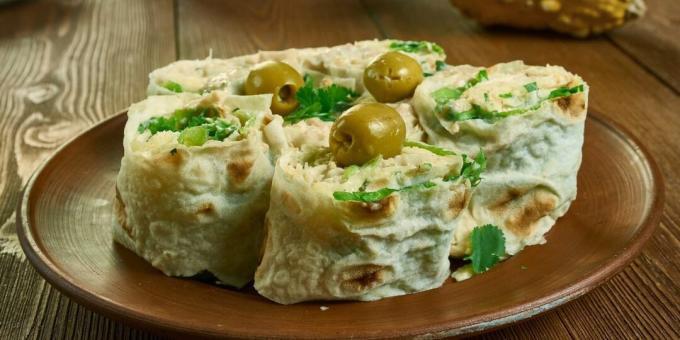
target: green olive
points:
(365, 131)
(392, 77)
(279, 79)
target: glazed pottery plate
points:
(66, 215)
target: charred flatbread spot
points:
(174, 158)
(363, 277)
(564, 102)
(458, 201)
(121, 215)
(375, 210)
(573, 106)
(239, 170)
(379, 183)
(538, 203)
(205, 208)
(505, 202)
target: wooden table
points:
(66, 65)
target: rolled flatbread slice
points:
(529, 121)
(359, 233)
(341, 65)
(194, 183)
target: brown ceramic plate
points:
(65, 219)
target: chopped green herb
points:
(478, 112)
(247, 120)
(429, 147)
(446, 94)
(471, 169)
(486, 97)
(172, 86)
(564, 91)
(438, 66)
(425, 167)
(505, 95)
(375, 196)
(207, 118)
(193, 136)
(531, 87)
(416, 46)
(488, 246)
(324, 103)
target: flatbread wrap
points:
(361, 232)
(341, 65)
(193, 186)
(529, 121)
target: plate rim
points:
(475, 325)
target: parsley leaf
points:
(471, 169)
(488, 245)
(416, 46)
(531, 87)
(374, 196)
(323, 103)
(506, 95)
(429, 147)
(439, 65)
(172, 86)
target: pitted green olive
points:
(365, 131)
(279, 79)
(392, 77)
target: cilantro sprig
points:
(375, 196)
(472, 169)
(429, 147)
(324, 103)
(488, 246)
(416, 46)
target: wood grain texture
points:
(653, 40)
(232, 28)
(63, 66)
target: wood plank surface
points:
(232, 28)
(65, 65)
(654, 40)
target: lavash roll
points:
(533, 157)
(342, 65)
(320, 248)
(190, 209)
